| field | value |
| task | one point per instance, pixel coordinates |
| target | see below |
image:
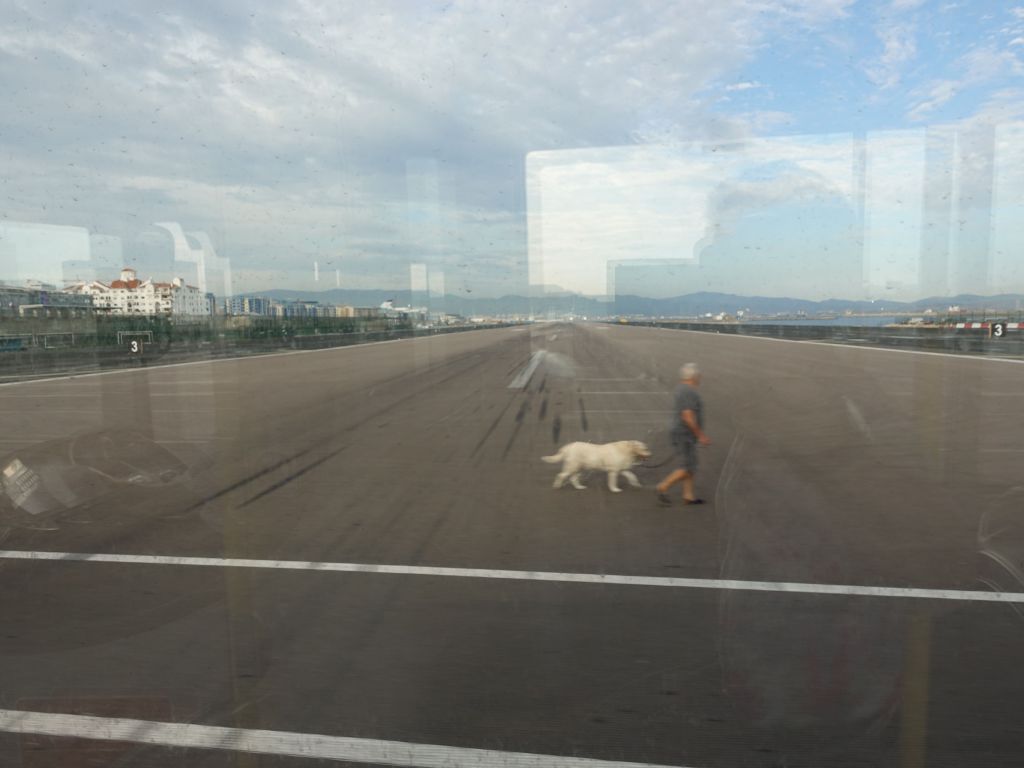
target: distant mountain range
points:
(690, 305)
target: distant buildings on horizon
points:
(147, 298)
(128, 296)
(263, 306)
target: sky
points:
(810, 148)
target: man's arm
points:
(690, 420)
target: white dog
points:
(613, 458)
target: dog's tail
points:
(555, 458)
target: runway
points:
(365, 563)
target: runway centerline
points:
(846, 590)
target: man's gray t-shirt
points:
(686, 399)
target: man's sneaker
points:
(664, 500)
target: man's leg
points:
(689, 467)
(676, 476)
(688, 487)
(672, 479)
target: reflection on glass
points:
(893, 215)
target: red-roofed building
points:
(130, 296)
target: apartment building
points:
(146, 298)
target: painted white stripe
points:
(310, 745)
(15, 396)
(40, 436)
(840, 346)
(523, 378)
(189, 409)
(551, 576)
(152, 368)
(156, 368)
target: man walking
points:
(687, 431)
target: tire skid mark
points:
(472, 358)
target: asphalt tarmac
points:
(839, 601)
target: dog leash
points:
(671, 455)
(658, 465)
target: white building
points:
(131, 296)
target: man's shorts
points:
(686, 451)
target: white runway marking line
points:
(16, 396)
(847, 590)
(26, 441)
(286, 743)
(523, 378)
(189, 409)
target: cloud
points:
(767, 120)
(989, 63)
(812, 12)
(288, 130)
(311, 76)
(745, 85)
(977, 67)
(898, 36)
(900, 47)
(598, 206)
(937, 94)
(284, 129)
(1002, 106)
